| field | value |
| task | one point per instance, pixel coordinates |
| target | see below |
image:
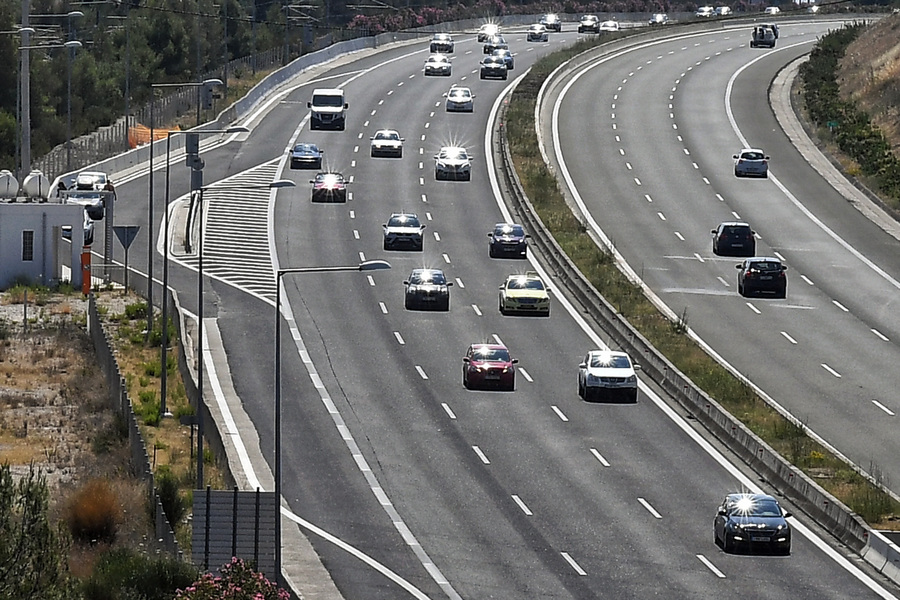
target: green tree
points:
(32, 549)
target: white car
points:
(772, 10)
(438, 64)
(609, 26)
(751, 162)
(723, 11)
(488, 30)
(552, 22)
(441, 42)
(537, 33)
(403, 231)
(460, 99)
(705, 12)
(607, 373)
(91, 181)
(387, 142)
(659, 19)
(452, 162)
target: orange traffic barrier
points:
(138, 135)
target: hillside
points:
(869, 74)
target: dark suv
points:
(508, 239)
(762, 274)
(733, 238)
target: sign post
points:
(126, 235)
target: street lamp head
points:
(72, 44)
(25, 30)
(74, 13)
(374, 265)
(212, 82)
(282, 183)
(238, 129)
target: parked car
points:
(427, 289)
(387, 142)
(752, 522)
(328, 187)
(524, 294)
(609, 374)
(493, 67)
(589, 24)
(552, 22)
(403, 231)
(306, 156)
(751, 162)
(762, 274)
(442, 42)
(489, 366)
(508, 239)
(733, 238)
(537, 33)
(452, 162)
(460, 99)
(438, 64)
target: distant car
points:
(772, 10)
(387, 142)
(92, 201)
(589, 24)
(752, 521)
(495, 42)
(609, 26)
(733, 238)
(403, 231)
(524, 294)
(486, 31)
(427, 289)
(442, 42)
(493, 67)
(705, 12)
(329, 187)
(507, 57)
(552, 22)
(438, 64)
(460, 99)
(751, 162)
(452, 162)
(306, 156)
(489, 366)
(723, 11)
(762, 37)
(91, 181)
(609, 374)
(87, 227)
(762, 274)
(508, 239)
(659, 19)
(537, 33)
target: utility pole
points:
(25, 93)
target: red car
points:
(489, 366)
(329, 187)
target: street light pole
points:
(369, 265)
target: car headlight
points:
(631, 379)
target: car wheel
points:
(481, 76)
(504, 77)
(633, 397)
(737, 173)
(512, 386)
(500, 307)
(386, 245)
(547, 314)
(467, 177)
(407, 303)
(491, 252)
(741, 289)
(400, 154)
(465, 380)
(446, 306)
(374, 154)
(727, 544)
(580, 389)
(782, 294)
(437, 175)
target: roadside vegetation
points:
(875, 506)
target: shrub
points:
(238, 581)
(94, 513)
(124, 573)
(167, 489)
(137, 310)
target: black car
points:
(495, 42)
(306, 156)
(733, 238)
(493, 67)
(752, 522)
(427, 289)
(508, 239)
(589, 24)
(329, 187)
(762, 274)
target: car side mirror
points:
(402, 139)
(712, 231)
(786, 514)
(735, 156)
(384, 225)
(767, 158)
(515, 361)
(582, 366)
(636, 366)
(312, 181)
(405, 283)
(737, 266)
(346, 105)
(721, 512)
(490, 235)
(321, 152)
(449, 284)
(309, 105)
(501, 287)
(527, 235)
(784, 267)
(422, 226)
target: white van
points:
(327, 109)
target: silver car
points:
(607, 373)
(453, 162)
(427, 289)
(438, 64)
(460, 99)
(403, 231)
(751, 162)
(441, 42)
(537, 33)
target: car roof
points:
(488, 346)
(763, 259)
(734, 224)
(734, 497)
(386, 131)
(404, 214)
(449, 148)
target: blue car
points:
(306, 156)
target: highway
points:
(456, 493)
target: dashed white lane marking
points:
(572, 563)
(599, 457)
(788, 337)
(421, 372)
(840, 306)
(481, 455)
(883, 407)
(447, 410)
(383, 308)
(522, 505)
(880, 335)
(560, 414)
(477, 310)
(754, 309)
(830, 370)
(399, 338)
(526, 375)
(711, 567)
(649, 508)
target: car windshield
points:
(329, 100)
(454, 153)
(490, 354)
(523, 283)
(506, 229)
(460, 94)
(306, 148)
(762, 265)
(493, 60)
(438, 58)
(614, 361)
(329, 178)
(403, 221)
(85, 179)
(441, 37)
(754, 507)
(427, 277)
(387, 135)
